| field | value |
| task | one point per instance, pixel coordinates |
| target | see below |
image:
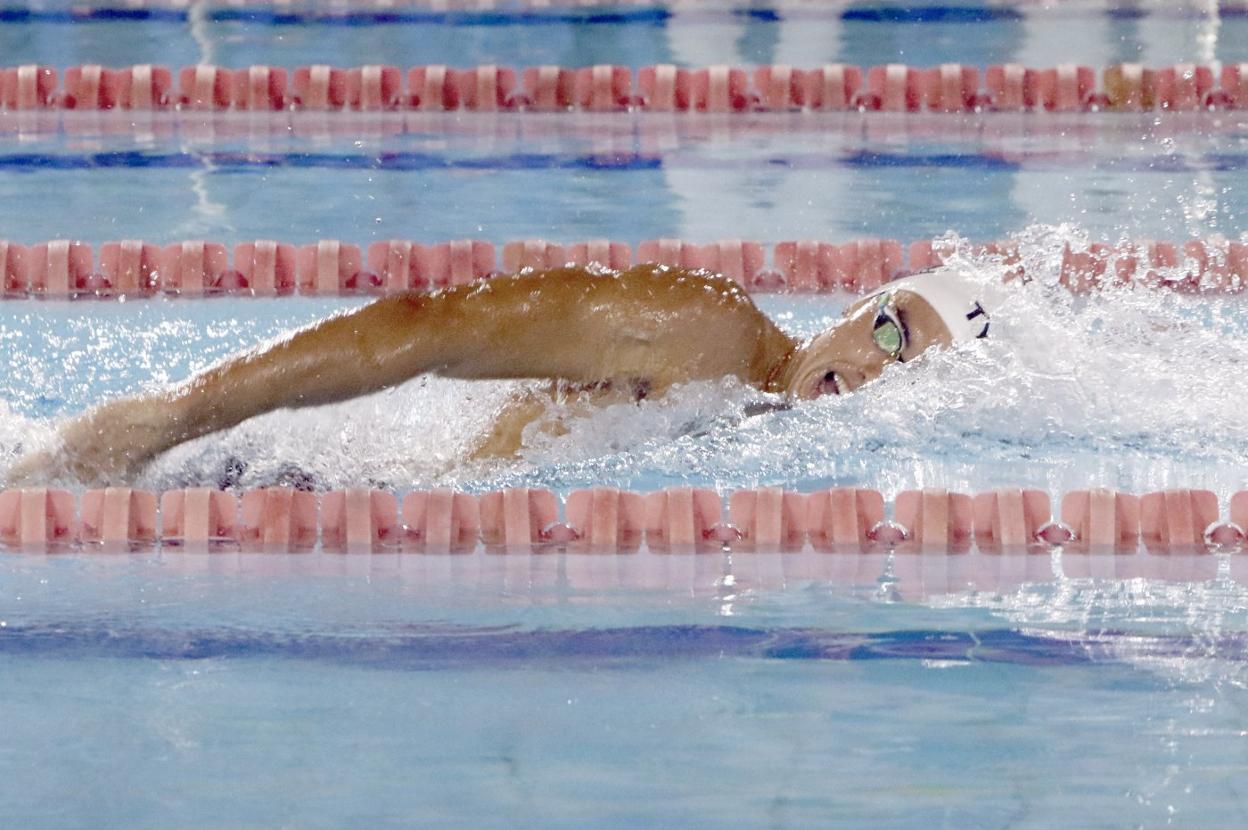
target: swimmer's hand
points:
(106, 446)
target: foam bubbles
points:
(20, 435)
(420, 432)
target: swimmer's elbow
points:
(457, 333)
(403, 336)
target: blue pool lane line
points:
(447, 646)
(271, 16)
(244, 162)
(930, 14)
(625, 15)
(231, 161)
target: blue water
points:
(501, 691)
(631, 178)
(244, 690)
(864, 33)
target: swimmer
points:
(598, 337)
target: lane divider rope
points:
(609, 520)
(135, 268)
(948, 88)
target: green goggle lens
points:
(886, 331)
(888, 337)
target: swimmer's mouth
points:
(829, 384)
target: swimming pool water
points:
(631, 177)
(248, 690)
(495, 691)
(798, 33)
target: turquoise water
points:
(630, 177)
(246, 690)
(325, 691)
(855, 32)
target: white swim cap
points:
(955, 298)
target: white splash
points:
(1136, 389)
(1128, 388)
(20, 435)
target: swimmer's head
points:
(897, 323)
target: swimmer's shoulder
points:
(693, 278)
(694, 287)
(574, 286)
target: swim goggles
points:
(887, 331)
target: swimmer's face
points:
(872, 335)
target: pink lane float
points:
(136, 268)
(948, 88)
(610, 521)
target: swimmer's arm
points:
(505, 436)
(464, 333)
(550, 410)
(378, 346)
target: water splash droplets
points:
(1130, 388)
